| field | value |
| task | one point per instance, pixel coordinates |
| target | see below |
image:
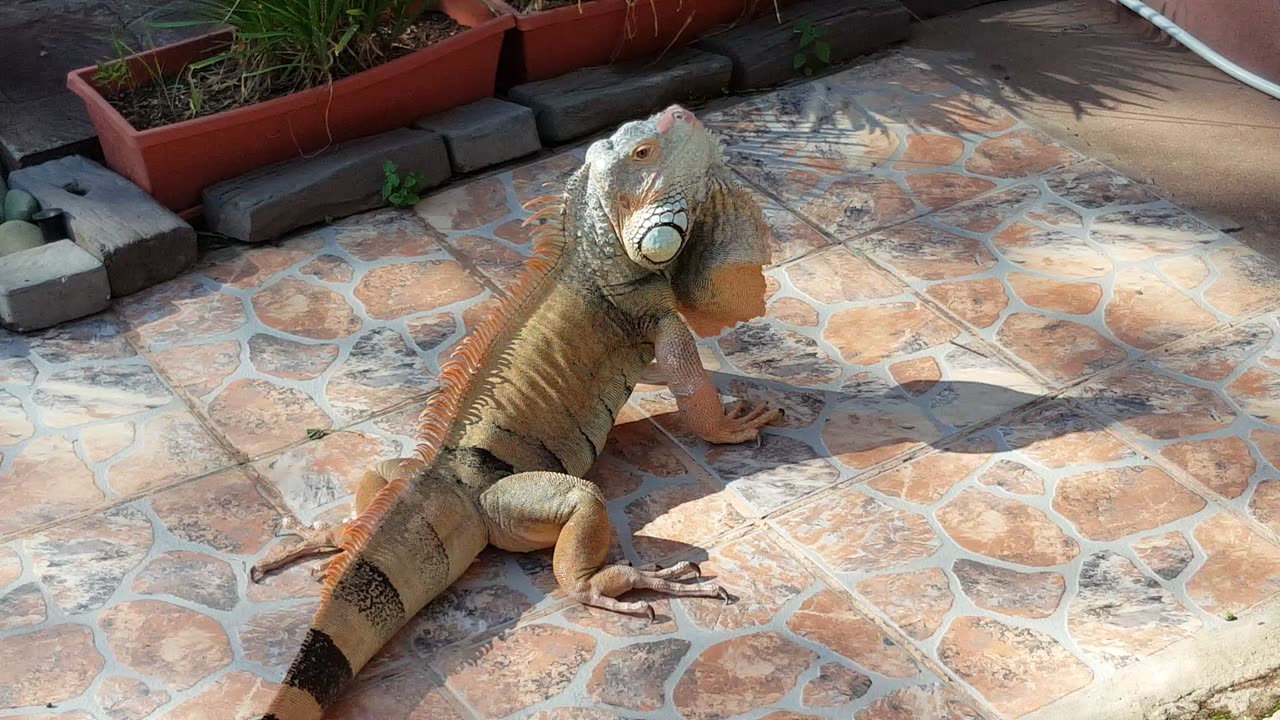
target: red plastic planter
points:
(175, 162)
(598, 32)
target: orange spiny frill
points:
(455, 378)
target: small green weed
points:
(400, 192)
(811, 38)
(114, 75)
(1229, 616)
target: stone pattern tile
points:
(1076, 271)
(321, 331)
(790, 644)
(85, 420)
(852, 153)
(1210, 410)
(1036, 557)
(936, 266)
(865, 370)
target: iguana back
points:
(651, 223)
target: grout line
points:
(885, 625)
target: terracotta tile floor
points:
(1033, 435)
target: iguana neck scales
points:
(650, 227)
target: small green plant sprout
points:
(811, 39)
(1229, 616)
(114, 75)
(400, 192)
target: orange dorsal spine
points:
(455, 379)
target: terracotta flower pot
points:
(598, 32)
(175, 162)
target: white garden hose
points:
(1201, 49)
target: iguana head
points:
(650, 177)
(661, 187)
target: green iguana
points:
(653, 226)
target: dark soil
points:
(528, 7)
(211, 90)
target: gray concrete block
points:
(763, 51)
(343, 180)
(592, 99)
(51, 284)
(485, 133)
(140, 242)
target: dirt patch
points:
(206, 91)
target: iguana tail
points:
(426, 535)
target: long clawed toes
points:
(679, 571)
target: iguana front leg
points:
(696, 395)
(536, 510)
(326, 540)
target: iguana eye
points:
(643, 152)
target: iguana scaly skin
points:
(652, 226)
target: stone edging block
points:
(763, 51)
(343, 180)
(592, 99)
(140, 242)
(485, 133)
(51, 284)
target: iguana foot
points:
(679, 571)
(614, 580)
(317, 540)
(742, 423)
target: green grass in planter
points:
(280, 47)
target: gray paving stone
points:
(485, 133)
(591, 99)
(763, 51)
(343, 180)
(37, 131)
(39, 43)
(51, 284)
(140, 242)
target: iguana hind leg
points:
(325, 540)
(536, 510)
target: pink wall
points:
(1246, 32)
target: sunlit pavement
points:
(1032, 437)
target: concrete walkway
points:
(40, 42)
(1032, 439)
(1098, 79)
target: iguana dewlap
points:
(651, 226)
